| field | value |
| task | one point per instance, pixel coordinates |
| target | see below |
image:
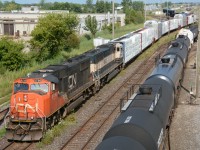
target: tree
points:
(91, 25)
(89, 5)
(108, 6)
(100, 6)
(126, 5)
(53, 34)
(166, 4)
(76, 8)
(42, 2)
(8, 6)
(11, 55)
(47, 6)
(133, 16)
(138, 6)
(1, 5)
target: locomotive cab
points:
(118, 51)
(30, 105)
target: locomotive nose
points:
(25, 97)
(24, 106)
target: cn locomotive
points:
(142, 123)
(43, 97)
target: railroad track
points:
(3, 114)
(5, 145)
(89, 134)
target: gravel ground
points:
(185, 127)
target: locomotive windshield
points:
(20, 87)
(43, 87)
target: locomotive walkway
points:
(185, 127)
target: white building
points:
(21, 23)
(101, 19)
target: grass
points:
(8, 78)
(57, 130)
(2, 132)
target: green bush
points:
(133, 16)
(54, 33)
(11, 55)
(2, 69)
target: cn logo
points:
(72, 81)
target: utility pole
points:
(145, 9)
(113, 20)
(167, 8)
(197, 58)
(105, 22)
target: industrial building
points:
(21, 23)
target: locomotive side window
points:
(20, 87)
(53, 87)
(43, 87)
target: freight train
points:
(43, 97)
(144, 118)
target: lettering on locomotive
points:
(72, 80)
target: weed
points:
(57, 130)
(2, 132)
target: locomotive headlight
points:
(12, 117)
(25, 98)
(32, 118)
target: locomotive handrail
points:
(35, 109)
(43, 122)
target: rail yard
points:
(110, 90)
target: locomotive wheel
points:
(64, 112)
(53, 121)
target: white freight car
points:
(131, 46)
(148, 36)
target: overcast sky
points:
(94, 1)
